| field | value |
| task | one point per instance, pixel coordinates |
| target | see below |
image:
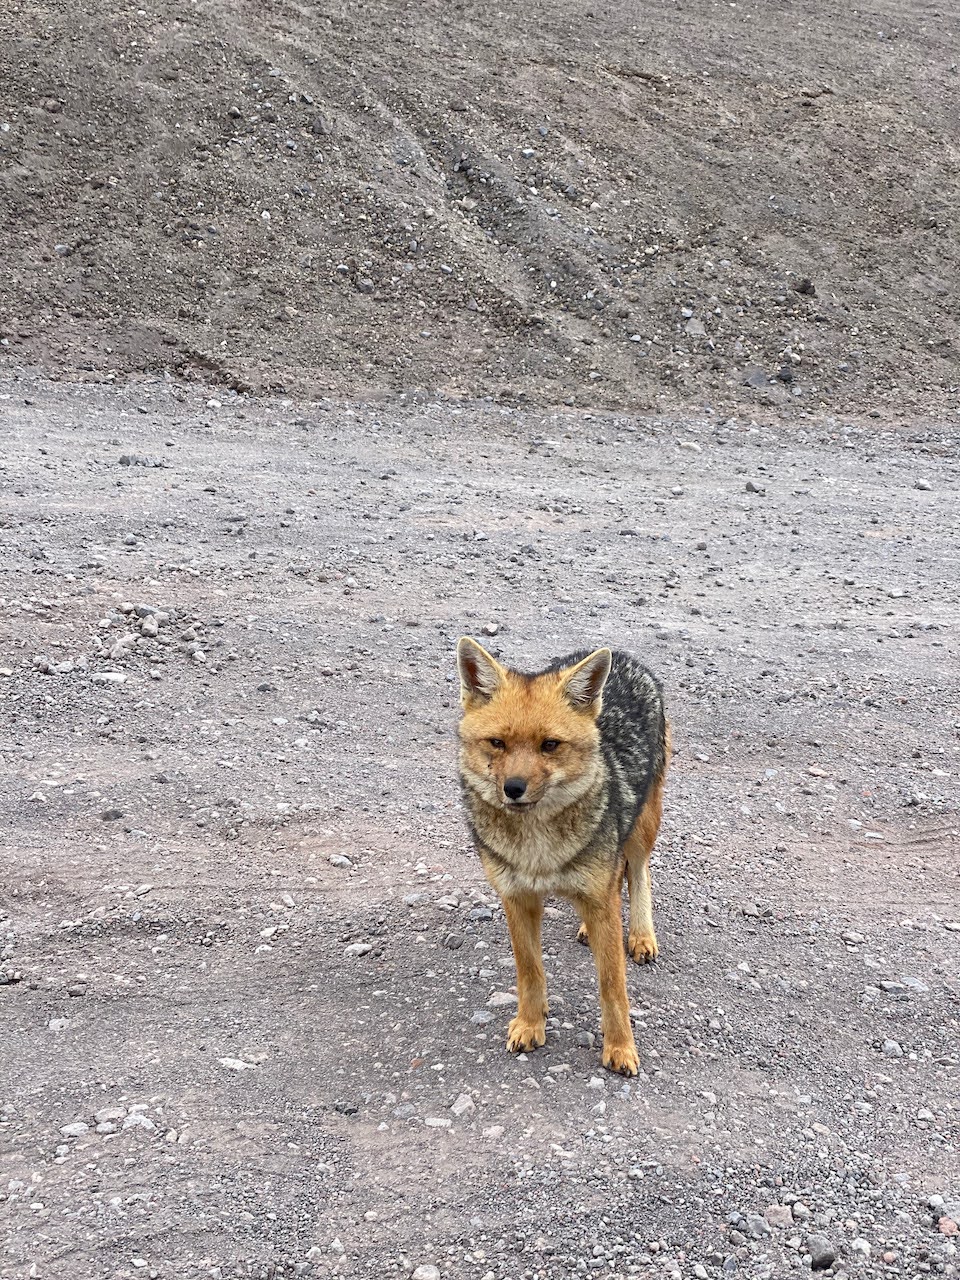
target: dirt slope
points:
(645, 204)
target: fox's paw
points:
(643, 947)
(523, 1036)
(582, 936)
(621, 1058)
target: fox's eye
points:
(497, 743)
(549, 744)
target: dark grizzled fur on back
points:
(632, 734)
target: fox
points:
(562, 773)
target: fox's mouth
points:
(518, 806)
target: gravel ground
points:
(255, 990)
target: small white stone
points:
(137, 1120)
(106, 1114)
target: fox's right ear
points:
(480, 674)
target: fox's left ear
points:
(583, 684)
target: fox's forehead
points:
(526, 709)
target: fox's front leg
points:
(525, 918)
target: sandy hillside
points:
(652, 206)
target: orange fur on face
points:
(524, 712)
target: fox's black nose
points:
(514, 788)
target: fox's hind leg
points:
(642, 939)
(583, 937)
(525, 919)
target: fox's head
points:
(529, 742)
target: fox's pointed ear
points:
(583, 684)
(480, 674)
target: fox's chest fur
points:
(542, 852)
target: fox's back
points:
(633, 734)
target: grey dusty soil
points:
(256, 990)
